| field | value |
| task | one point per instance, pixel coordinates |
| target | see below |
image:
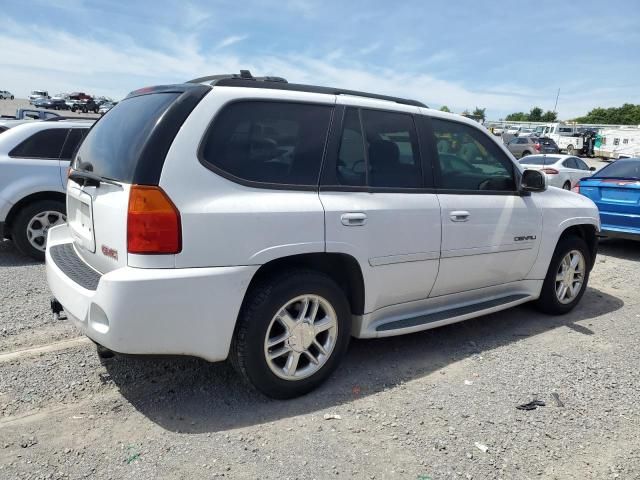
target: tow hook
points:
(57, 310)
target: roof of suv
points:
(245, 79)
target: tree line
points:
(536, 114)
(627, 114)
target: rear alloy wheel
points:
(570, 150)
(292, 333)
(566, 186)
(567, 277)
(31, 226)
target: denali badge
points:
(110, 252)
(524, 238)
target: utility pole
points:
(556, 105)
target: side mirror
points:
(592, 169)
(533, 181)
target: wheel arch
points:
(589, 233)
(34, 197)
(341, 268)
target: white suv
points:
(34, 159)
(266, 222)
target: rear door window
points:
(570, 163)
(269, 142)
(113, 146)
(45, 144)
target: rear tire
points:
(525, 153)
(552, 301)
(32, 224)
(566, 186)
(570, 150)
(274, 319)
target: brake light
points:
(550, 171)
(576, 188)
(153, 222)
(537, 147)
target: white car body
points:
(511, 129)
(429, 253)
(4, 95)
(36, 94)
(560, 170)
(27, 179)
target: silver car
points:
(523, 146)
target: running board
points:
(450, 313)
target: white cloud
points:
(123, 65)
(228, 41)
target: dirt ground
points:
(434, 405)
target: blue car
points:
(616, 191)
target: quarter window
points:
(45, 144)
(73, 141)
(472, 162)
(269, 142)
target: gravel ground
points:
(422, 406)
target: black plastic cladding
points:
(149, 166)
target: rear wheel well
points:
(588, 233)
(342, 269)
(34, 197)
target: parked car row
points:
(76, 101)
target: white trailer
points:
(619, 143)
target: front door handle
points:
(459, 216)
(354, 219)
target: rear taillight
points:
(576, 188)
(550, 171)
(153, 222)
(537, 147)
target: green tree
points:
(517, 117)
(444, 108)
(480, 112)
(549, 116)
(535, 115)
(627, 114)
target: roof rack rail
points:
(245, 79)
(59, 118)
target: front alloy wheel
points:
(570, 277)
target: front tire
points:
(567, 277)
(31, 225)
(292, 332)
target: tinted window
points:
(73, 141)
(392, 149)
(113, 146)
(582, 165)
(473, 161)
(269, 142)
(570, 163)
(43, 144)
(621, 169)
(351, 162)
(538, 160)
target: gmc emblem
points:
(110, 252)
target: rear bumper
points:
(190, 311)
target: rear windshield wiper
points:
(90, 179)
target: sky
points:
(498, 55)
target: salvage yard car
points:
(34, 158)
(615, 189)
(562, 171)
(268, 223)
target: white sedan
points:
(563, 171)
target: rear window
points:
(269, 142)
(533, 160)
(621, 169)
(113, 146)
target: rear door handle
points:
(354, 219)
(459, 216)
